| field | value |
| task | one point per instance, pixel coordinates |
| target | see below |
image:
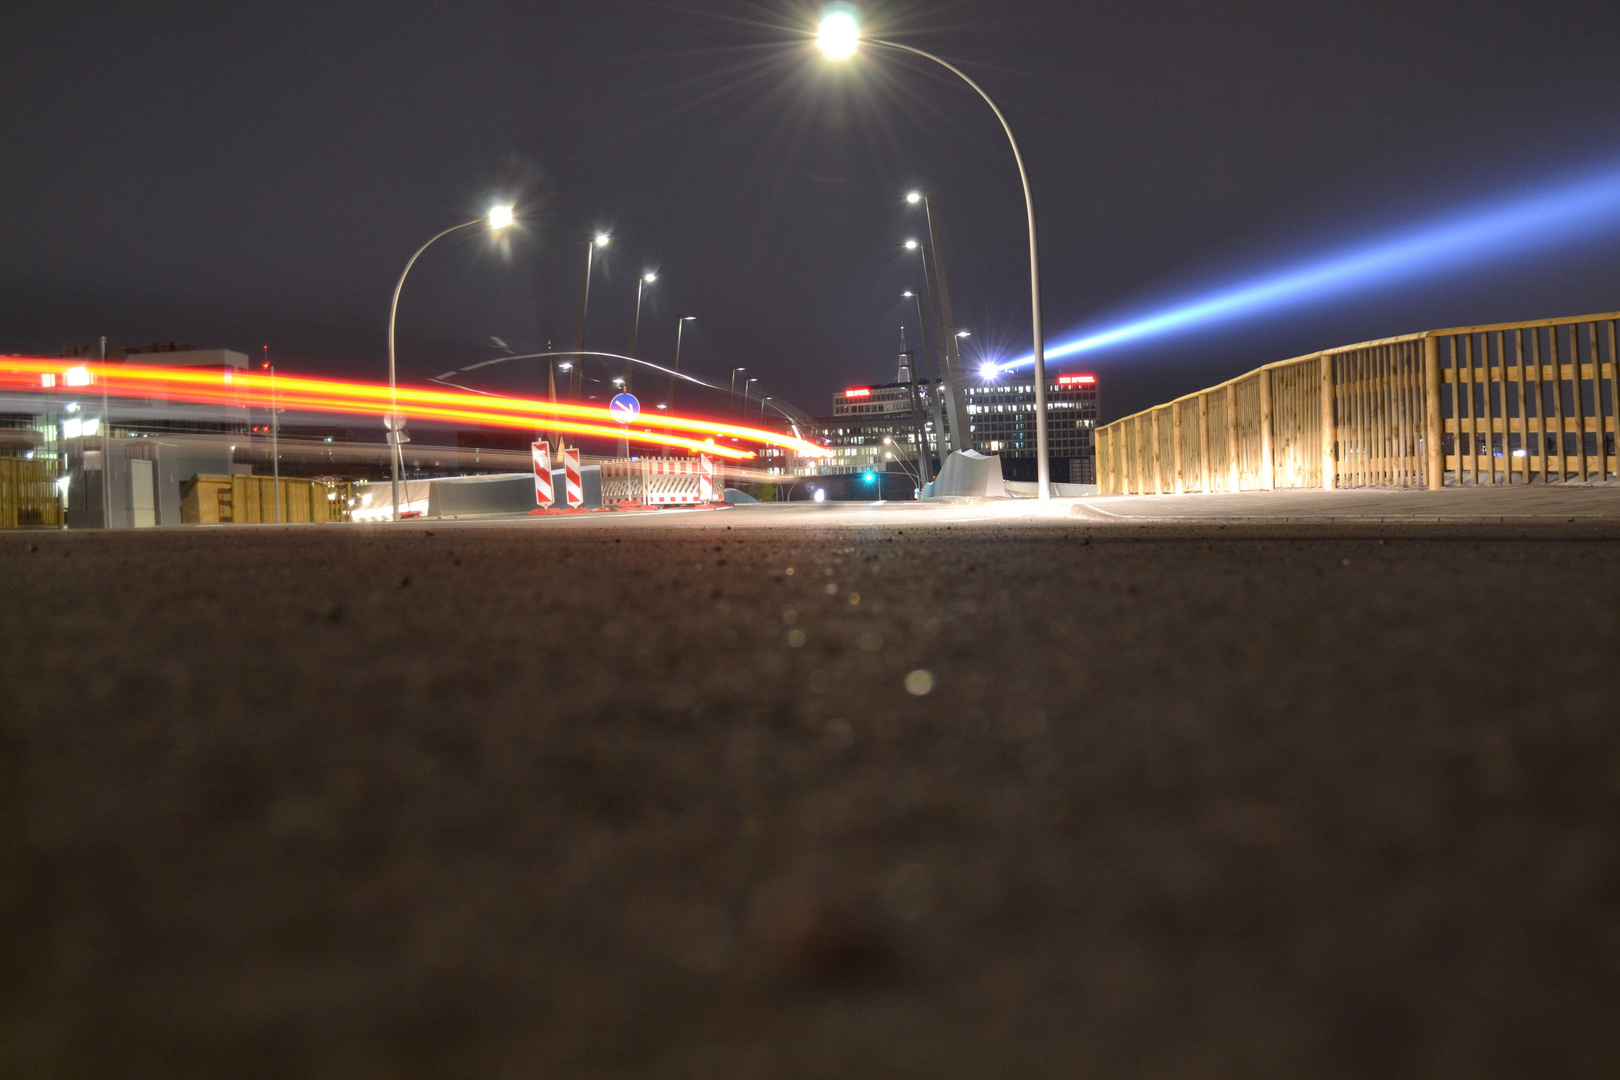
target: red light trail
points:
(211, 386)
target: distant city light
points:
(989, 372)
(863, 391)
(1076, 380)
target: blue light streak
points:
(1486, 233)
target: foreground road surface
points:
(813, 794)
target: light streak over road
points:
(237, 388)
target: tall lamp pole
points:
(635, 329)
(500, 217)
(839, 38)
(936, 394)
(600, 240)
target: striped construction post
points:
(573, 490)
(543, 496)
(705, 478)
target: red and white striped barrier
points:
(573, 488)
(658, 482)
(543, 496)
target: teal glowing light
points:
(1581, 210)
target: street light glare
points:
(649, 277)
(500, 217)
(907, 294)
(989, 371)
(964, 333)
(602, 239)
(840, 35)
(913, 197)
(911, 245)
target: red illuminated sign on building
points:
(862, 392)
(1077, 380)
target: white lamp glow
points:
(840, 35)
(500, 217)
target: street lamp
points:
(600, 240)
(731, 398)
(499, 219)
(635, 326)
(935, 407)
(839, 38)
(680, 328)
(746, 385)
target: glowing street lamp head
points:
(908, 294)
(602, 239)
(914, 197)
(964, 333)
(911, 245)
(840, 33)
(500, 217)
(649, 277)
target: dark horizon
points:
(251, 176)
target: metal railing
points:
(28, 493)
(1508, 403)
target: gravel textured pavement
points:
(744, 794)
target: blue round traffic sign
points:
(625, 408)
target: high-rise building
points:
(872, 425)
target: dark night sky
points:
(234, 174)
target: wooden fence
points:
(217, 500)
(28, 493)
(1530, 402)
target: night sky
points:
(241, 174)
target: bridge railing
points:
(1507, 403)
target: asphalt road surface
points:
(785, 793)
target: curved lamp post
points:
(840, 38)
(500, 218)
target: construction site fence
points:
(1510, 403)
(224, 500)
(29, 496)
(659, 482)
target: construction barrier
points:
(573, 489)
(543, 495)
(28, 493)
(224, 500)
(658, 482)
